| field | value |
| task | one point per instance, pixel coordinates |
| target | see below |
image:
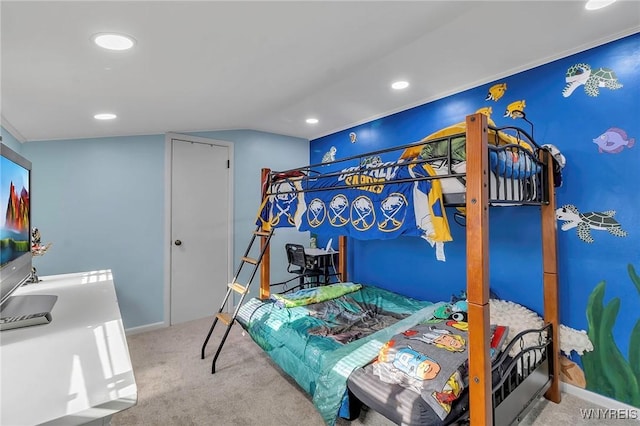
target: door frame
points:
(168, 144)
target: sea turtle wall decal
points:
(330, 155)
(582, 74)
(585, 222)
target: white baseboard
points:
(143, 328)
(597, 399)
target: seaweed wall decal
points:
(606, 370)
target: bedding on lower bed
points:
(403, 405)
(381, 345)
(518, 345)
(421, 373)
(316, 344)
(429, 359)
(397, 403)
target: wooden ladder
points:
(243, 290)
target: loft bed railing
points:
(476, 199)
(530, 189)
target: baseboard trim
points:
(143, 328)
(598, 399)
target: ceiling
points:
(265, 65)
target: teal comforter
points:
(320, 344)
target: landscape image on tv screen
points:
(14, 205)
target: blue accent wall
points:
(594, 181)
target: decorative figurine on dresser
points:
(37, 249)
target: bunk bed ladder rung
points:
(224, 317)
(238, 288)
(234, 286)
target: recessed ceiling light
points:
(113, 41)
(104, 116)
(312, 121)
(398, 85)
(597, 4)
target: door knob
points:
(178, 242)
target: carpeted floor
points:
(176, 387)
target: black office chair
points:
(299, 264)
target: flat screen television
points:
(15, 218)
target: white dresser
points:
(74, 370)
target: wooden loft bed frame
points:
(477, 232)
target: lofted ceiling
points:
(266, 65)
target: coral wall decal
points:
(606, 370)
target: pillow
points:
(428, 358)
(510, 163)
(308, 296)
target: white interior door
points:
(200, 224)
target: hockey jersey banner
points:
(375, 201)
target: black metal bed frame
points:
(524, 378)
(521, 380)
(532, 189)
